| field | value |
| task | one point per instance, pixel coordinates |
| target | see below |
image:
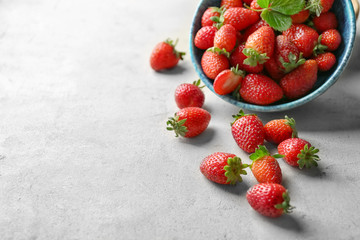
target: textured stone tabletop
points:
(84, 150)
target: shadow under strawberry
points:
(201, 139)
(287, 222)
(239, 189)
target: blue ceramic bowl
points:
(347, 28)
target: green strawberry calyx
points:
(291, 122)
(319, 48)
(254, 57)
(260, 152)
(240, 115)
(197, 83)
(314, 7)
(218, 20)
(285, 205)
(237, 71)
(177, 126)
(293, 63)
(234, 169)
(219, 51)
(173, 45)
(307, 157)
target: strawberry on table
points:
(225, 38)
(214, 61)
(237, 58)
(299, 153)
(269, 199)
(247, 131)
(228, 80)
(165, 56)
(325, 61)
(278, 130)
(204, 38)
(223, 168)
(189, 122)
(240, 17)
(189, 95)
(265, 167)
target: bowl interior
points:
(347, 27)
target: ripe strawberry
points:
(164, 55)
(237, 58)
(273, 69)
(254, 5)
(325, 61)
(265, 167)
(318, 7)
(247, 131)
(300, 81)
(304, 37)
(269, 199)
(331, 38)
(240, 17)
(228, 80)
(326, 5)
(278, 130)
(207, 17)
(214, 61)
(259, 46)
(300, 17)
(260, 89)
(204, 38)
(253, 28)
(189, 122)
(299, 153)
(225, 38)
(325, 22)
(189, 95)
(223, 168)
(230, 3)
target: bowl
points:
(344, 11)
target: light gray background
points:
(85, 153)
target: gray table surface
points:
(84, 150)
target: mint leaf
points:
(263, 3)
(276, 20)
(288, 7)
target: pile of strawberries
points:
(260, 62)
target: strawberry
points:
(326, 5)
(240, 17)
(318, 7)
(260, 89)
(331, 39)
(247, 131)
(304, 37)
(204, 38)
(273, 69)
(189, 95)
(265, 167)
(300, 17)
(237, 58)
(269, 199)
(225, 38)
(299, 153)
(325, 61)
(189, 122)
(208, 16)
(259, 46)
(230, 3)
(300, 81)
(228, 80)
(278, 130)
(164, 55)
(325, 22)
(214, 61)
(223, 168)
(253, 28)
(254, 5)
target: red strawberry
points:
(260, 89)
(300, 17)
(230, 3)
(254, 5)
(204, 38)
(265, 167)
(325, 61)
(225, 38)
(320, 6)
(240, 17)
(304, 37)
(300, 81)
(248, 131)
(259, 46)
(206, 19)
(253, 28)
(189, 95)
(326, 5)
(331, 38)
(299, 153)
(237, 57)
(189, 122)
(228, 80)
(325, 22)
(269, 199)
(214, 61)
(278, 130)
(223, 168)
(164, 55)
(273, 69)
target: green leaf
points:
(263, 3)
(276, 20)
(288, 7)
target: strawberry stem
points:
(291, 122)
(285, 205)
(240, 115)
(173, 45)
(319, 48)
(177, 126)
(293, 62)
(307, 157)
(254, 57)
(260, 152)
(234, 169)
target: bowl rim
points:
(349, 10)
